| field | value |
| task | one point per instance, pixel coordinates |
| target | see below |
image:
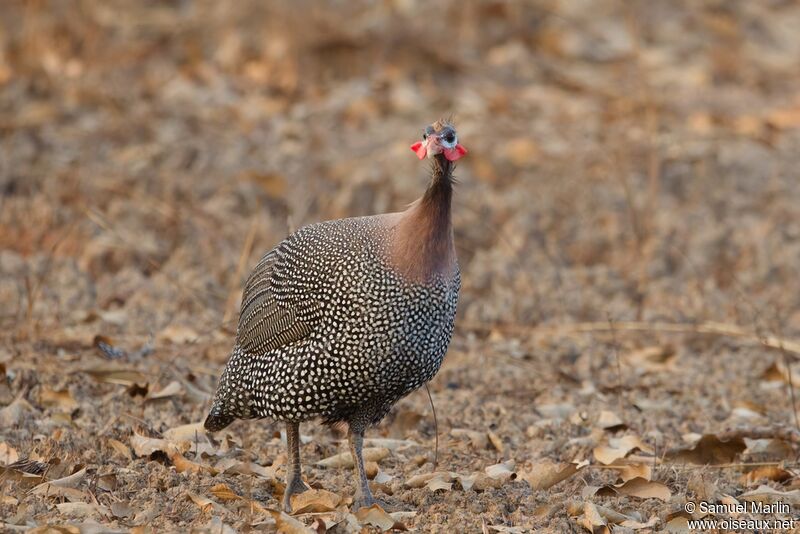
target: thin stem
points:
(435, 429)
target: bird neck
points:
(435, 203)
(424, 240)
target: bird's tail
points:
(232, 399)
(217, 419)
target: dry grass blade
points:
(247, 248)
(710, 328)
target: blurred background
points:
(630, 162)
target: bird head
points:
(439, 138)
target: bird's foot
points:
(365, 501)
(295, 487)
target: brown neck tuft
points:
(423, 244)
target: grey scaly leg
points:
(363, 496)
(294, 482)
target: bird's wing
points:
(270, 318)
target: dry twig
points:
(708, 328)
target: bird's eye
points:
(450, 137)
(424, 136)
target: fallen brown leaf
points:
(418, 481)
(377, 517)
(195, 435)
(121, 509)
(8, 454)
(708, 450)
(371, 454)
(496, 442)
(777, 372)
(591, 519)
(638, 525)
(107, 482)
(767, 495)
(232, 465)
(315, 501)
(608, 516)
(205, 504)
(223, 492)
(58, 399)
(391, 444)
(124, 377)
(610, 421)
(768, 449)
(678, 525)
(440, 481)
(546, 474)
(644, 489)
(183, 465)
(631, 471)
(120, 448)
(616, 448)
(177, 335)
(382, 478)
(371, 469)
(70, 481)
(64, 487)
(748, 410)
(556, 411)
(6, 396)
(765, 472)
(145, 445)
(24, 481)
(287, 524)
(172, 389)
(81, 509)
(12, 414)
(71, 494)
(503, 471)
(652, 359)
(479, 440)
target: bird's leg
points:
(363, 496)
(294, 482)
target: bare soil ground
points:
(627, 223)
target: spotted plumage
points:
(343, 318)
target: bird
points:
(345, 317)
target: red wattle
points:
(420, 149)
(453, 154)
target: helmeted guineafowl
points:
(343, 318)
